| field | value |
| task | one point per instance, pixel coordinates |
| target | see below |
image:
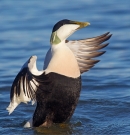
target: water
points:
(104, 105)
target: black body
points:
(57, 101)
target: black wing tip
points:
(104, 38)
(104, 45)
(109, 36)
(96, 61)
(100, 53)
(103, 52)
(108, 33)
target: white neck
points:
(55, 47)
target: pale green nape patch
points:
(54, 39)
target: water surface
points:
(104, 105)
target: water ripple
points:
(104, 103)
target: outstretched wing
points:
(25, 85)
(87, 49)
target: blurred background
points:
(25, 29)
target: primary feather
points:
(87, 49)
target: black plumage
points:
(57, 103)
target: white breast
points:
(63, 62)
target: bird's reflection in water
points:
(59, 129)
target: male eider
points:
(56, 89)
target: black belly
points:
(57, 101)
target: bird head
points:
(64, 28)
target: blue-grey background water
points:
(104, 105)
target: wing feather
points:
(87, 49)
(25, 84)
(90, 49)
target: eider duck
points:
(56, 89)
